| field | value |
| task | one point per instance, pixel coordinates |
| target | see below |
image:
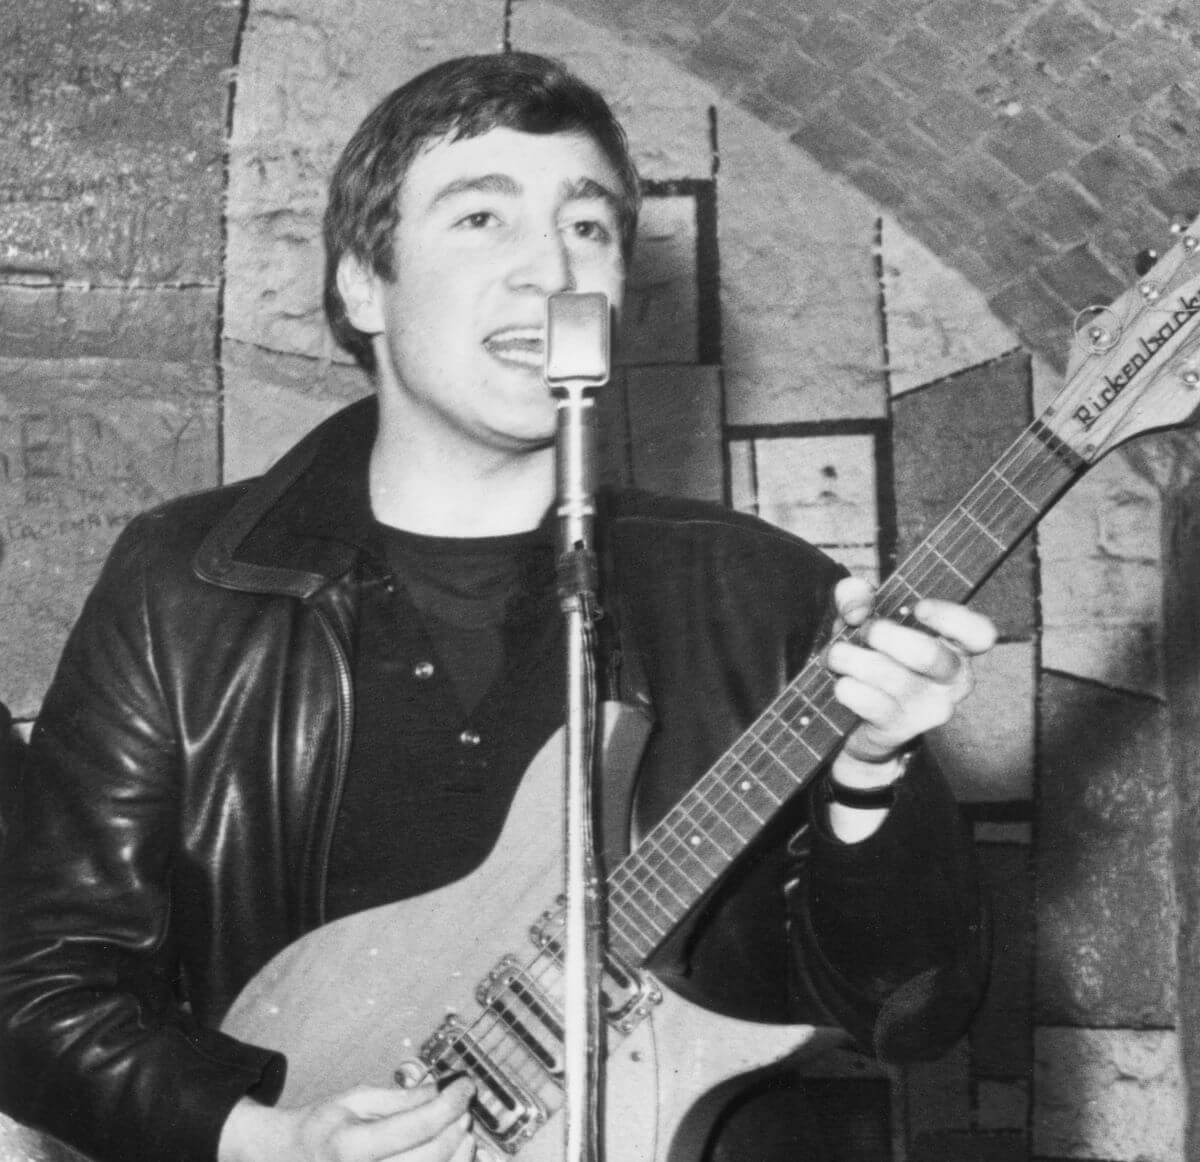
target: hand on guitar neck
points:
(366, 1124)
(901, 681)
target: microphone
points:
(576, 363)
(577, 340)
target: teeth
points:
(522, 345)
(523, 356)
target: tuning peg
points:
(1145, 260)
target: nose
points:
(543, 264)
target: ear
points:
(359, 288)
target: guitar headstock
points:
(1138, 367)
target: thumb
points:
(854, 598)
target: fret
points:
(765, 801)
(703, 844)
(897, 581)
(637, 932)
(696, 832)
(673, 900)
(1014, 490)
(775, 774)
(652, 857)
(1000, 545)
(660, 917)
(818, 724)
(950, 565)
(771, 720)
(670, 848)
(743, 788)
(939, 578)
(1063, 452)
(634, 898)
(715, 816)
(759, 800)
(1045, 466)
(630, 940)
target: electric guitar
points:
(468, 979)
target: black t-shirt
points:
(458, 683)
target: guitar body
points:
(353, 1000)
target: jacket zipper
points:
(324, 846)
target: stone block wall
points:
(795, 345)
(111, 252)
(1036, 146)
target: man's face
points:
(488, 228)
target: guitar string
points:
(927, 561)
(514, 1047)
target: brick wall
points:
(865, 228)
(1037, 146)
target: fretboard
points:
(681, 859)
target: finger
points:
(878, 709)
(369, 1102)
(854, 598)
(941, 660)
(407, 1128)
(974, 632)
(895, 659)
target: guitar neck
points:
(681, 859)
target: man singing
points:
(297, 697)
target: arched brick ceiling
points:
(1036, 145)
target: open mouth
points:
(519, 346)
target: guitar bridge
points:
(504, 1110)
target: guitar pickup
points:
(503, 1109)
(518, 1000)
(626, 997)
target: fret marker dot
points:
(744, 785)
(695, 841)
(804, 720)
(905, 610)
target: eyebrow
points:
(488, 183)
(501, 183)
(585, 189)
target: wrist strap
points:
(864, 798)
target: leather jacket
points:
(170, 829)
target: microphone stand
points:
(577, 356)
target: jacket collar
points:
(305, 521)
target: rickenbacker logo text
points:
(1148, 346)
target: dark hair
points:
(464, 97)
